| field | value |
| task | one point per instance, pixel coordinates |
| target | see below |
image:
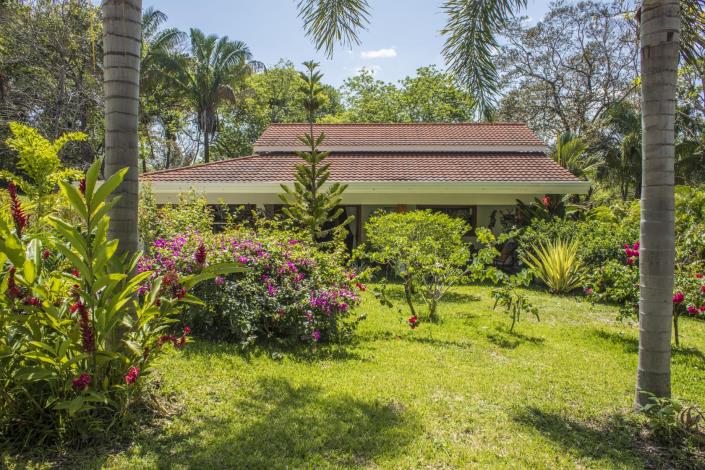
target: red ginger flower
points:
(81, 382)
(18, 214)
(132, 375)
(82, 186)
(84, 323)
(13, 290)
(200, 255)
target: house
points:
(474, 170)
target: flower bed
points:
(289, 291)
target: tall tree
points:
(208, 76)
(122, 41)
(660, 43)
(570, 152)
(315, 207)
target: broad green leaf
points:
(108, 187)
(75, 199)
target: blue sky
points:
(403, 34)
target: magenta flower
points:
(18, 214)
(81, 382)
(219, 281)
(200, 255)
(678, 298)
(132, 375)
(316, 335)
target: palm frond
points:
(331, 22)
(470, 32)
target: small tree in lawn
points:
(315, 207)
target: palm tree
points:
(470, 40)
(208, 77)
(571, 153)
(660, 45)
(619, 147)
(156, 99)
(122, 34)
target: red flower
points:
(13, 290)
(75, 272)
(18, 214)
(546, 201)
(361, 287)
(82, 186)
(702, 289)
(46, 254)
(702, 308)
(413, 321)
(81, 382)
(630, 261)
(200, 255)
(33, 301)
(692, 310)
(698, 276)
(678, 298)
(84, 323)
(132, 375)
(187, 330)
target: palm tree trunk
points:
(206, 147)
(660, 37)
(122, 36)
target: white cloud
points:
(379, 54)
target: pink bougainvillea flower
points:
(219, 281)
(81, 382)
(132, 375)
(413, 321)
(630, 261)
(316, 335)
(692, 310)
(678, 298)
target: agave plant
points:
(557, 265)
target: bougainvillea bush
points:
(75, 346)
(290, 291)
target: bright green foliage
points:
(515, 302)
(425, 249)
(40, 164)
(672, 422)
(570, 152)
(191, 214)
(312, 203)
(74, 342)
(557, 265)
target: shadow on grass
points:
(617, 438)
(630, 344)
(513, 340)
(281, 425)
(396, 292)
(417, 338)
(300, 353)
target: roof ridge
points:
(484, 123)
(197, 165)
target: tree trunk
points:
(660, 37)
(206, 147)
(122, 36)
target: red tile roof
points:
(373, 167)
(403, 135)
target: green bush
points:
(74, 345)
(291, 291)
(425, 249)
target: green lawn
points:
(460, 394)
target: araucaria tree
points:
(315, 205)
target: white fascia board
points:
(403, 148)
(388, 187)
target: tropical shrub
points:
(41, 167)
(75, 345)
(425, 249)
(291, 291)
(514, 301)
(557, 265)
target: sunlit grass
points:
(463, 393)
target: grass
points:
(460, 394)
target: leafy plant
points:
(425, 249)
(557, 265)
(40, 163)
(514, 302)
(75, 345)
(670, 420)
